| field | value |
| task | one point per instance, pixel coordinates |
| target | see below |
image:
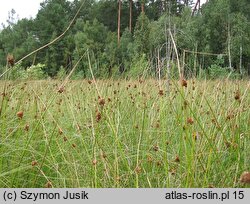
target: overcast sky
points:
(23, 8)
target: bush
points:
(35, 72)
(17, 72)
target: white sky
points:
(23, 8)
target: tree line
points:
(132, 38)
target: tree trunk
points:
(130, 15)
(240, 59)
(229, 47)
(119, 21)
(196, 7)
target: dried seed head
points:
(237, 95)
(149, 158)
(172, 171)
(20, 114)
(101, 101)
(27, 127)
(156, 148)
(34, 163)
(138, 169)
(230, 116)
(177, 159)
(65, 139)
(228, 144)
(60, 131)
(158, 163)
(245, 177)
(185, 103)
(157, 125)
(74, 145)
(103, 155)
(94, 162)
(89, 82)
(183, 82)
(98, 116)
(48, 184)
(10, 60)
(161, 93)
(61, 89)
(190, 121)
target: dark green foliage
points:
(220, 26)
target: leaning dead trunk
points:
(130, 15)
(119, 21)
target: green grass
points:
(194, 136)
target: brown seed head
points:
(98, 116)
(237, 95)
(177, 159)
(245, 177)
(48, 184)
(74, 145)
(138, 169)
(94, 162)
(60, 131)
(33, 163)
(183, 82)
(155, 148)
(61, 89)
(172, 171)
(161, 93)
(101, 101)
(190, 121)
(103, 155)
(149, 158)
(27, 127)
(158, 163)
(20, 114)
(10, 60)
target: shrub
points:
(35, 72)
